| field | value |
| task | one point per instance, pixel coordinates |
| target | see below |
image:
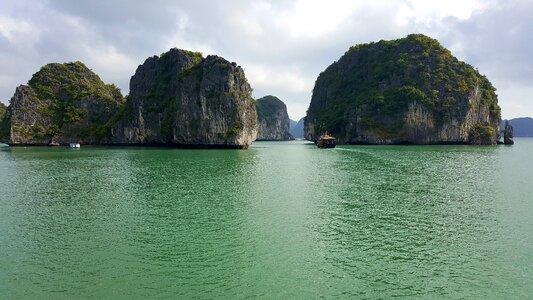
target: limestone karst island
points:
(406, 91)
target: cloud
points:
(283, 45)
(497, 41)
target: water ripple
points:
(281, 220)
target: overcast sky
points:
(282, 45)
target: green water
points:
(280, 220)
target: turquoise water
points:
(280, 220)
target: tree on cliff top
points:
(268, 105)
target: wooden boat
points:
(53, 143)
(326, 141)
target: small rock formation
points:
(405, 91)
(3, 109)
(297, 128)
(4, 126)
(62, 103)
(522, 127)
(273, 120)
(508, 134)
(185, 100)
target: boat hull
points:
(326, 144)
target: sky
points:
(282, 45)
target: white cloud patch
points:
(315, 18)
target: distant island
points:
(406, 91)
(273, 120)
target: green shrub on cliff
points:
(65, 85)
(481, 134)
(268, 105)
(4, 124)
(3, 110)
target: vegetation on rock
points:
(375, 85)
(2, 111)
(63, 102)
(269, 105)
(480, 134)
(4, 123)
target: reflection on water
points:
(281, 220)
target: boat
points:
(53, 143)
(326, 141)
(74, 146)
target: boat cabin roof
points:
(327, 137)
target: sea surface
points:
(278, 221)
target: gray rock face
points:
(3, 109)
(508, 134)
(273, 120)
(26, 119)
(4, 123)
(185, 100)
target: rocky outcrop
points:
(273, 120)
(508, 134)
(185, 100)
(62, 103)
(297, 128)
(522, 127)
(406, 91)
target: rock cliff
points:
(185, 100)
(405, 91)
(62, 103)
(508, 134)
(273, 120)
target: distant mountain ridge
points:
(522, 127)
(297, 128)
